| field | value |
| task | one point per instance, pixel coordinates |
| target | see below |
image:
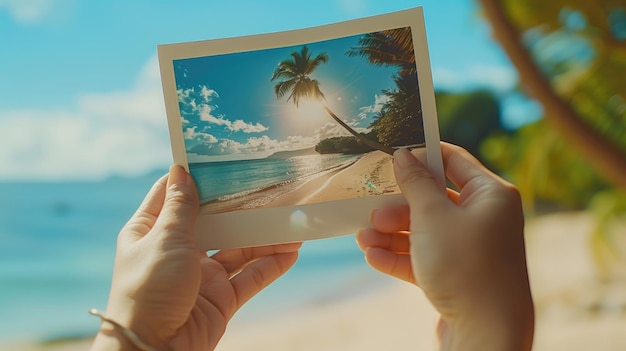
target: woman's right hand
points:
(464, 249)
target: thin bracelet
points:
(129, 334)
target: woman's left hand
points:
(168, 291)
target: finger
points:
(260, 273)
(461, 167)
(180, 207)
(396, 242)
(143, 219)
(453, 195)
(417, 184)
(473, 178)
(212, 286)
(391, 219)
(235, 260)
(387, 262)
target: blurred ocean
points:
(57, 245)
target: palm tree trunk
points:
(606, 157)
(374, 144)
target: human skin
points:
(165, 289)
(465, 249)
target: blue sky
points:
(230, 110)
(80, 93)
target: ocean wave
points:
(262, 196)
(259, 189)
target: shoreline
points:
(369, 174)
(389, 314)
(383, 313)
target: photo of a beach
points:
(300, 124)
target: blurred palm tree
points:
(571, 57)
(293, 77)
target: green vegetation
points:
(467, 119)
(342, 145)
(571, 57)
(400, 121)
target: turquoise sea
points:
(222, 181)
(57, 245)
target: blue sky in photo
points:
(80, 90)
(229, 106)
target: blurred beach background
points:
(83, 136)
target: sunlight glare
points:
(310, 109)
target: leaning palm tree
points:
(294, 78)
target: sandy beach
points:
(575, 311)
(371, 174)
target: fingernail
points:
(356, 239)
(403, 158)
(372, 213)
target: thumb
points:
(180, 208)
(419, 187)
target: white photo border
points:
(312, 221)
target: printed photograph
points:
(301, 124)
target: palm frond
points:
(281, 88)
(392, 47)
(293, 76)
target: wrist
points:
(468, 336)
(108, 339)
(508, 327)
(115, 336)
(126, 313)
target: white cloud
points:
(33, 11)
(228, 146)
(208, 138)
(253, 147)
(142, 104)
(236, 126)
(121, 132)
(206, 111)
(379, 101)
(330, 130)
(267, 144)
(240, 125)
(300, 142)
(191, 134)
(185, 95)
(208, 94)
(497, 78)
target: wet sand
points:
(371, 174)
